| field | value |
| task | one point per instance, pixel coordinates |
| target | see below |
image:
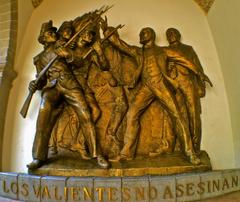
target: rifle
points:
(27, 102)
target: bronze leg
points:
(91, 101)
(142, 100)
(45, 123)
(168, 100)
(75, 98)
(118, 111)
(188, 89)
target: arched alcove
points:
(8, 40)
(159, 14)
(223, 21)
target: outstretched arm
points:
(121, 45)
(115, 40)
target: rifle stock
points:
(26, 104)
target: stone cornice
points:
(204, 4)
(36, 3)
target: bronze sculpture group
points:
(100, 95)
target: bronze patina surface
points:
(69, 164)
(109, 108)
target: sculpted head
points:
(173, 35)
(87, 37)
(147, 35)
(47, 33)
(66, 30)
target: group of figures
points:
(111, 101)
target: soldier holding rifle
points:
(59, 85)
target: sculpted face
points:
(145, 36)
(173, 35)
(86, 38)
(49, 36)
(67, 33)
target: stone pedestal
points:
(172, 188)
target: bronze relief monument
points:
(109, 108)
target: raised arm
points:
(118, 43)
(121, 45)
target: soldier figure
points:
(81, 61)
(65, 32)
(59, 85)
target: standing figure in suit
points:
(185, 68)
(151, 61)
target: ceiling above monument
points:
(204, 4)
(36, 3)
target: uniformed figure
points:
(65, 32)
(58, 86)
(81, 67)
(152, 61)
(81, 61)
(96, 61)
(185, 68)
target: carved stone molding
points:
(204, 4)
(161, 188)
(36, 3)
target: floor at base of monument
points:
(70, 164)
(232, 197)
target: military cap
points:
(47, 26)
(65, 25)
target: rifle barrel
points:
(27, 102)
